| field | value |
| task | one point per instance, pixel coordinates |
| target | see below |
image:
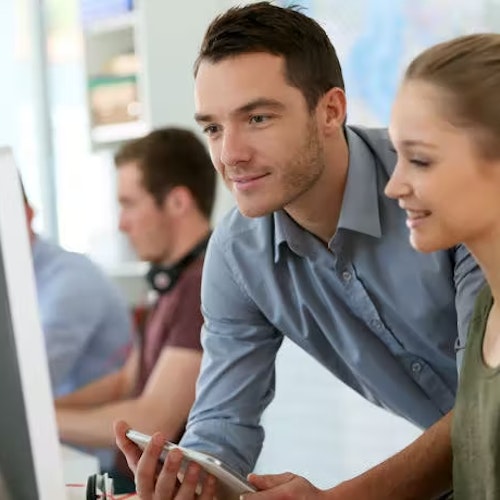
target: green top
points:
(476, 419)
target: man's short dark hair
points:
(311, 62)
(172, 157)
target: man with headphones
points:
(166, 189)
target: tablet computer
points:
(230, 484)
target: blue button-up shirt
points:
(85, 321)
(377, 314)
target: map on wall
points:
(376, 39)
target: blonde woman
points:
(445, 127)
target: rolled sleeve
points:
(237, 378)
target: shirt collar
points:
(287, 230)
(359, 211)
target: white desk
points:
(77, 467)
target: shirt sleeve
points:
(237, 378)
(468, 282)
(69, 313)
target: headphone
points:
(99, 486)
(162, 279)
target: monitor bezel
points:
(27, 343)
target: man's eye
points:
(210, 129)
(259, 118)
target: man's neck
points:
(318, 210)
(187, 240)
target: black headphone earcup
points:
(162, 279)
(91, 491)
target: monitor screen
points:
(30, 457)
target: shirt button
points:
(416, 367)
(376, 323)
(346, 276)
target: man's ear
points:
(331, 111)
(178, 200)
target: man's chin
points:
(148, 257)
(255, 211)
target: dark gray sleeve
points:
(468, 281)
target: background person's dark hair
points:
(172, 157)
(311, 62)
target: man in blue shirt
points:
(85, 321)
(317, 253)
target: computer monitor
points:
(30, 456)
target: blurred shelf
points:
(121, 22)
(107, 134)
(142, 37)
(129, 277)
(127, 269)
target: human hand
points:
(155, 481)
(282, 487)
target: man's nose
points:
(122, 224)
(235, 148)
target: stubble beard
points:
(307, 167)
(298, 176)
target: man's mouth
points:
(246, 182)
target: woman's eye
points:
(420, 163)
